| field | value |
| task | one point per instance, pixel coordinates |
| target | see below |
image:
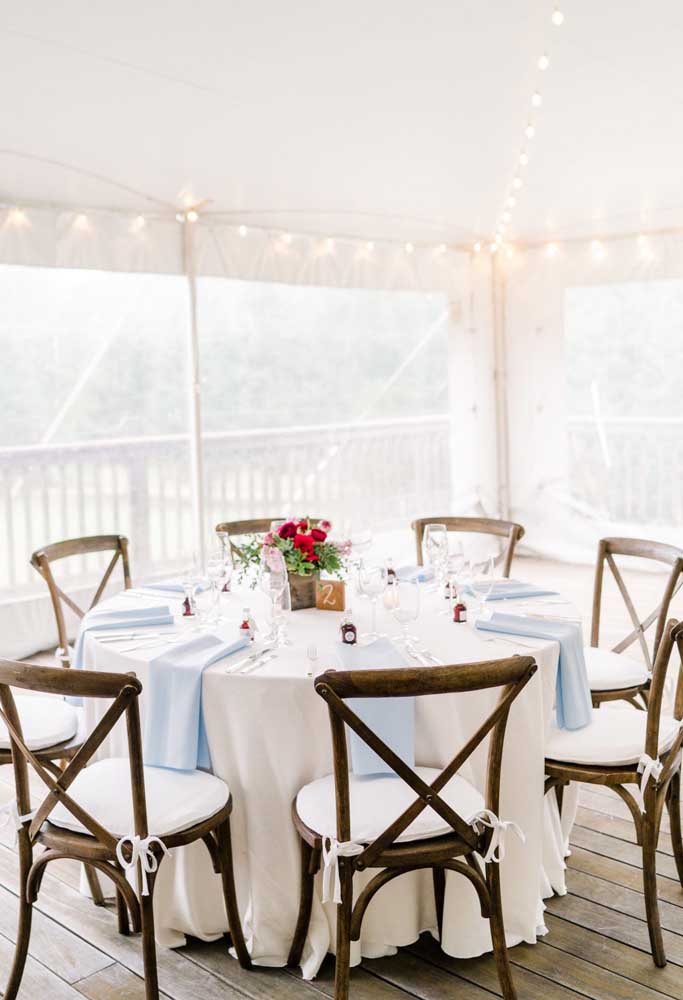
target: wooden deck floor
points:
(597, 944)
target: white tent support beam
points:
(500, 383)
(195, 404)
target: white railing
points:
(376, 472)
(628, 469)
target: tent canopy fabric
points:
(389, 120)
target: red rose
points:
(318, 535)
(302, 525)
(304, 542)
(287, 530)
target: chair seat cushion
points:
(608, 670)
(44, 722)
(614, 738)
(376, 801)
(176, 800)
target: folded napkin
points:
(421, 574)
(505, 588)
(173, 586)
(103, 619)
(392, 719)
(573, 706)
(174, 734)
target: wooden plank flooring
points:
(597, 944)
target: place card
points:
(330, 595)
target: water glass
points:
(372, 581)
(436, 547)
(406, 607)
(272, 581)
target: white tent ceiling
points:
(394, 119)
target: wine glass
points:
(361, 541)
(206, 599)
(272, 581)
(455, 564)
(436, 546)
(219, 572)
(372, 581)
(406, 607)
(283, 615)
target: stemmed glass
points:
(372, 581)
(272, 581)
(483, 582)
(436, 547)
(406, 607)
(283, 615)
(455, 564)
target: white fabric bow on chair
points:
(650, 769)
(337, 849)
(10, 811)
(500, 828)
(140, 850)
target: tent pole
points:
(195, 400)
(500, 381)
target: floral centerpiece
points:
(307, 551)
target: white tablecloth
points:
(269, 734)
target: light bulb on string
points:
(597, 250)
(506, 216)
(369, 246)
(329, 244)
(493, 248)
(523, 158)
(442, 248)
(551, 250)
(530, 131)
(509, 252)
(558, 17)
(243, 231)
(536, 100)
(512, 201)
(192, 215)
(543, 62)
(287, 238)
(477, 247)
(409, 247)
(17, 217)
(81, 222)
(179, 217)
(517, 183)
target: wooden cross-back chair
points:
(69, 829)
(507, 530)
(649, 751)
(635, 684)
(43, 558)
(457, 841)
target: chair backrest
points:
(42, 559)
(124, 690)
(508, 530)
(255, 526)
(671, 633)
(511, 675)
(641, 548)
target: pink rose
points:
(326, 526)
(268, 538)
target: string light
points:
(510, 253)
(287, 238)
(543, 62)
(243, 231)
(530, 131)
(192, 215)
(506, 216)
(517, 183)
(138, 223)
(442, 248)
(477, 247)
(329, 244)
(18, 218)
(81, 222)
(179, 217)
(523, 159)
(409, 247)
(597, 250)
(551, 250)
(558, 17)
(369, 246)
(494, 248)
(536, 100)
(512, 201)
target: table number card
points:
(330, 595)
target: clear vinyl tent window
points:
(623, 358)
(328, 401)
(94, 436)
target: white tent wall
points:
(632, 290)
(109, 241)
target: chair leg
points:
(229, 894)
(344, 909)
(94, 885)
(24, 922)
(654, 925)
(122, 914)
(439, 879)
(149, 948)
(500, 950)
(673, 804)
(309, 866)
(559, 795)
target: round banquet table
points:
(268, 734)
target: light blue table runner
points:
(573, 704)
(392, 719)
(175, 735)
